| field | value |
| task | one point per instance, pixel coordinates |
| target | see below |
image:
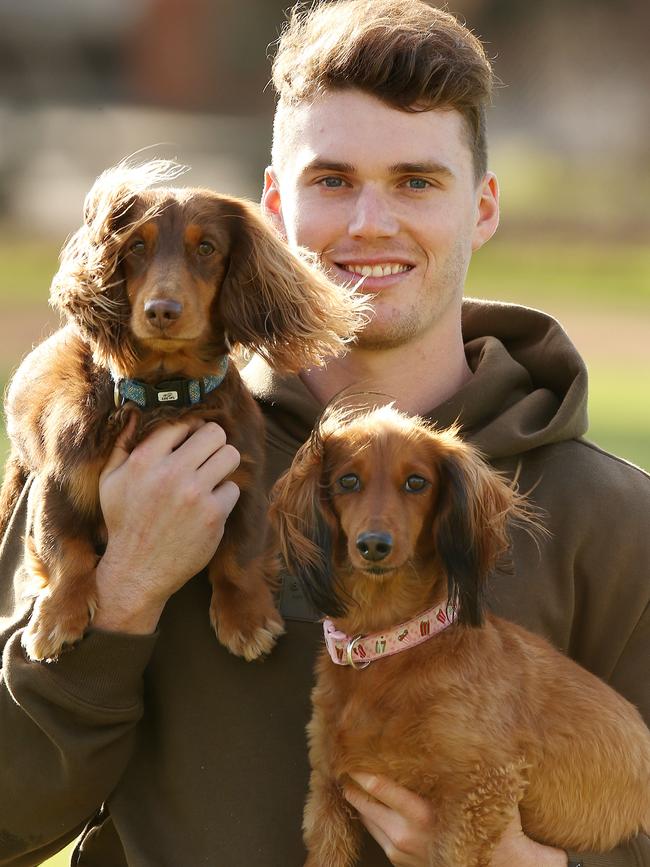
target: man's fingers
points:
(398, 798)
(400, 820)
(388, 828)
(227, 495)
(218, 466)
(383, 839)
(369, 808)
(171, 436)
(201, 445)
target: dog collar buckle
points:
(352, 646)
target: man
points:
(148, 734)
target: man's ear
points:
(271, 202)
(487, 210)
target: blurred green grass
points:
(26, 268)
(555, 275)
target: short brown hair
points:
(406, 53)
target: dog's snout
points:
(374, 546)
(162, 311)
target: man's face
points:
(385, 194)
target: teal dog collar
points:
(173, 392)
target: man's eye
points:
(414, 484)
(206, 248)
(418, 183)
(331, 182)
(350, 482)
(137, 247)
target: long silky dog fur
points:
(238, 286)
(484, 717)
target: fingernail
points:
(363, 780)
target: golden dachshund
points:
(393, 528)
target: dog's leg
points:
(61, 560)
(243, 574)
(332, 834)
(242, 610)
(471, 826)
(14, 480)
(67, 601)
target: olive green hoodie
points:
(170, 750)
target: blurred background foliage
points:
(84, 83)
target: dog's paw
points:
(250, 643)
(49, 631)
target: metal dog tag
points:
(165, 396)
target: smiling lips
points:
(386, 269)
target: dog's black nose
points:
(162, 311)
(374, 546)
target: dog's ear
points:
(306, 527)
(278, 304)
(89, 287)
(471, 525)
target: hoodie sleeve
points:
(611, 628)
(615, 636)
(66, 728)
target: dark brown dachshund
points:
(394, 528)
(156, 286)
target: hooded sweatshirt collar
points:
(528, 389)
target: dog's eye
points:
(350, 482)
(137, 247)
(206, 248)
(414, 484)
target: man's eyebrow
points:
(323, 164)
(320, 164)
(425, 168)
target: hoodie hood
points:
(529, 387)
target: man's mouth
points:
(365, 269)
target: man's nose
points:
(372, 216)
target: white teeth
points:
(377, 270)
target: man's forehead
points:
(354, 130)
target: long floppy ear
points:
(89, 286)
(278, 304)
(471, 525)
(305, 527)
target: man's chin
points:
(380, 334)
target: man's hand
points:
(403, 823)
(165, 506)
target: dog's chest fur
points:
(402, 713)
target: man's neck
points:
(419, 375)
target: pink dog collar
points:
(360, 650)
